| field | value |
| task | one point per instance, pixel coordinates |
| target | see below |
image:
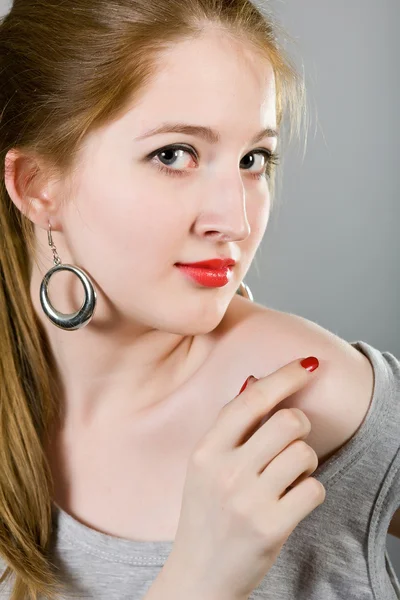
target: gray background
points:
(332, 245)
(331, 249)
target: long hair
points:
(68, 68)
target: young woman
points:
(138, 137)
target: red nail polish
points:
(310, 363)
(244, 386)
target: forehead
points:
(211, 80)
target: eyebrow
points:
(210, 135)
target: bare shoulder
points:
(337, 400)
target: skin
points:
(126, 224)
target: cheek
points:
(262, 221)
(128, 232)
(258, 213)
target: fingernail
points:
(310, 363)
(244, 386)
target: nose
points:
(223, 215)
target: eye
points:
(174, 155)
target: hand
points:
(237, 511)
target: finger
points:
(297, 460)
(242, 413)
(300, 501)
(284, 427)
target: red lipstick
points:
(215, 272)
(212, 263)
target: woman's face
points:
(136, 212)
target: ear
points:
(31, 188)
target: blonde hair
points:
(68, 68)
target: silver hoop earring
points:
(245, 291)
(76, 320)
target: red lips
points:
(213, 263)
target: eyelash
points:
(272, 158)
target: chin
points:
(196, 324)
